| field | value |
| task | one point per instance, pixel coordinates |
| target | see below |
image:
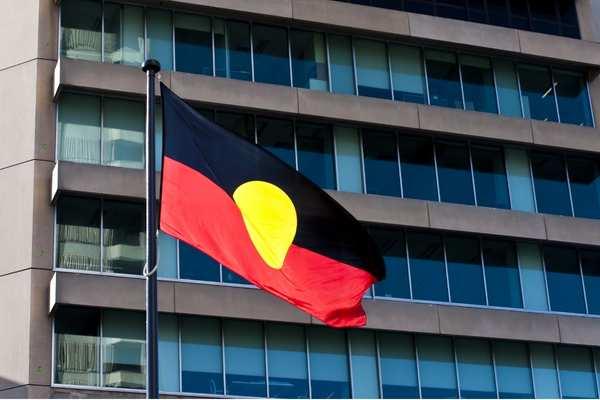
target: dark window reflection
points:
(564, 279)
(537, 92)
(550, 180)
(393, 249)
(443, 79)
(590, 264)
(193, 264)
(427, 270)
(584, 175)
(502, 274)
(124, 237)
(232, 50)
(454, 172)
(277, 136)
(271, 56)
(309, 61)
(465, 272)
(478, 84)
(315, 154)
(572, 97)
(193, 44)
(491, 184)
(418, 168)
(381, 163)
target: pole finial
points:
(151, 65)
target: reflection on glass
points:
(78, 221)
(535, 296)
(545, 375)
(244, 358)
(519, 179)
(454, 172)
(79, 127)
(372, 70)
(160, 37)
(193, 44)
(232, 50)
(123, 133)
(513, 371)
(590, 264)
(478, 84)
(584, 176)
(465, 272)
(168, 353)
(123, 34)
(573, 100)
(193, 264)
(309, 62)
(349, 159)
(443, 79)
(501, 274)
(407, 74)
(537, 91)
(507, 88)
(124, 237)
(550, 180)
(564, 279)
(427, 270)
(436, 367)
(475, 370)
(381, 163)
(271, 57)
(393, 249)
(286, 352)
(398, 365)
(81, 25)
(418, 168)
(340, 60)
(576, 370)
(328, 363)
(315, 154)
(365, 381)
(489, 172)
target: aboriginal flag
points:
(256, 215)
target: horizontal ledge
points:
(96, 290)
(126, 183)
(112, 79)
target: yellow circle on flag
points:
(270, 218)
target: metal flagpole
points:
(151, 68)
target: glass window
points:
(436, 367)
(550, 180)
(564, 279)
(79, 127)
(584, 176)
(398, 366)
(491, 184)
(286, 352)
(476, 11)
(78, 222)
(242, 124)
(407, 74)
(427, 269)
(393, 249)
(193, 44)
(475, 370)
(420, 6)
(498, 12)
(573, 100)
(478, 84)
(577, 379)
(124, 237)
(158, 138)
(123, 34)
(201, 356)
(545, 374)
(519, 14)
(465, 272)
(315, 154)
(194, 264)
(309, 61)
(232, 50)
(123, 133)
(168, 353)
(341, 65)
(231, 277)
(543, 16)
(501, 274)
(123, 349)
(364, 364)
(537, 93)
(507, 88)
(77, 346)
(418, 168)
(382, 173)
(451, 9)
(160, 37)
(244, 358)
(519, 179)
(277, 136)
(349, 159)
(81, 24)
(535, 296)
(568, 17)
(167, 256)
(513, 371)
(443, 79)
(271, 56)
(328, 363)
(372, 70)
(454, 172)
(590, 264)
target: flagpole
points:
(151, 68)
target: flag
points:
(238, 203)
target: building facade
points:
(463, 134)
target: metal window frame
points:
(581, 275)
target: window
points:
(309, 61)
(568, 18)
(502, 274)
(507, 87)
(328, 363)
(427, 269)
(123, 133)
(572, 97)
(288, 365)
(381, 163)
(543, 16)
(519, 14)
(123, 34)
(489, 171)
(167, 256)
(584, 178)
(124, 237)
(398, 366)
(513, 371)
(535, 296)
(365, 381)
(79, 127)
(232, 50)
(418, 168)
(407, 74)
(168, 353)
(78, 221)
(201, 356)
(160, 37)
(478, 84)
(193, 264)
(81, 25)
(372, 69)
(341, 64)
(454, 172)
(393, 249)
(443, 78)
(537, 91)
(315, 154)
(545, 375)
(498, 12)
(564, 279)
(349, 159)
(519, 179)
(436, 367)
(475, 370)
(193, 44)
(576, 370)
(590, 264)
(271, 56)
(277, 136)
(550, 180)
(244, 358)
(465, 272)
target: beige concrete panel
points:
(234, 302)
(357, 109)
(91, 393)
(566, 136)
(45, 112)
(489, 221)
(500, 324)
(271, 8)
(18, 30)
(230, 92)
(476, 124)
(401, 316)
(463, 32)
(588, 13)
(559, 48)
(338, 14)
(383, 209)
(42, 237)
(573, 230)
(40, 340)
(579, 330)
(47, 29)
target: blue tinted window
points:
(418, 168)
(232, 50)
(537, 93)
(543, 16)
(286, 352)
(550, 180)
(382, 173)
(577, 380)
(407, 73)
(498, 12)
(427, 269)
(398, 366)
(244, 358)
(475, 370)
(271, 57)
(478, 84)
(231, 277)
(436, 367)
(465, 272)
(372, 69)
(519, 14)
(501, 274)
(590, 264)
(365, 382)
(315, 154)
(340, 59)
(489, 171)
(309, 61)
(443, 79)
(573, 101)
(584, 175)
(194, 264)
(513, 371)
(277, 136)
(328, 363)
(454, 172)
(545, 374)
(420, 6)
(193, 44)
(564, 279)
(393, 249)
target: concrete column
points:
(588, 13)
